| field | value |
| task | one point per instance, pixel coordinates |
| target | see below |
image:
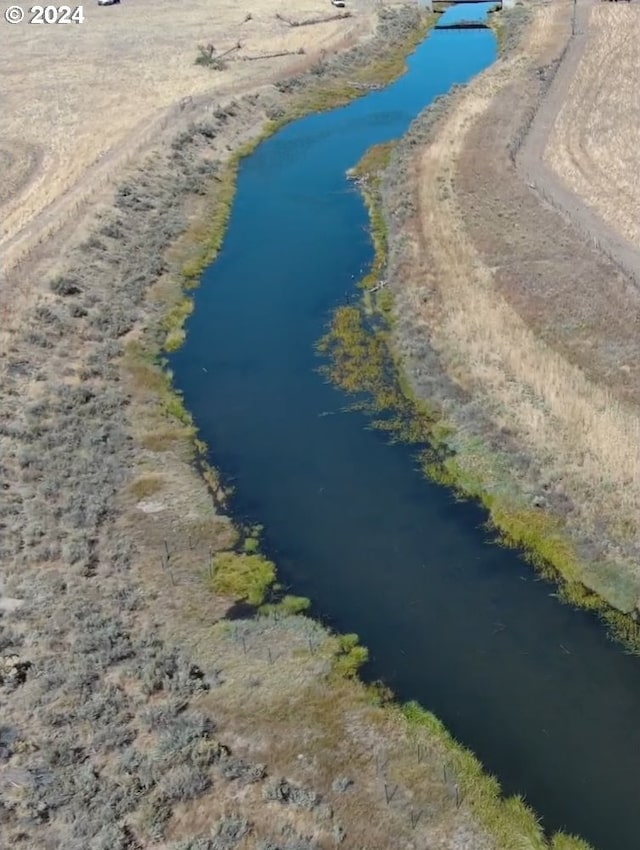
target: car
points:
(339, 3)
(107, 2)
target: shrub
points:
(286, 792)
(230, 831)
(112, 229)
(349, 656)
(241, 770)
(64, 285)
(295, 604)
(179, 738)
(154, 816)
(288, 605)
(341, 784)
(243, 577)
(184, 782)
(168, 670)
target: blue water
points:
(534, 688)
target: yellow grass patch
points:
(594, 144)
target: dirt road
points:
(87, 100)
(536, 171)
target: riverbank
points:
(136, 714)
(537, 424)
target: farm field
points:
(82, 100)
(593, 146)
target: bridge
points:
(463, 25)
(443, 5)
(440, 6)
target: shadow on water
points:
(533, 688)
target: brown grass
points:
(18, 163)
(594, 143)
(89, 97)
(163, 439)
(146, 485)
(283, 714)
(498, 295)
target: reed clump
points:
(241, 576)
(349, 656)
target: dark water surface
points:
(533, 688)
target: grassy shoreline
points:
(363, 360)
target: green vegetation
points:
(539, 534)
(497, 25)
(207, 241)
(173, 324)
(251, 545)
(562, 841)
(509, 820)
(368, 173)
(164, 439)
(241, 576)
(288, 606)
(251, 542)
(150, 375)
(349, 656)
(361, 362)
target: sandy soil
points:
(79, 101)
(528, 317)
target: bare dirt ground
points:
(135, 714)
(534, 323)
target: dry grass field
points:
(594, 144)
(79, 101)
(538, 329)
